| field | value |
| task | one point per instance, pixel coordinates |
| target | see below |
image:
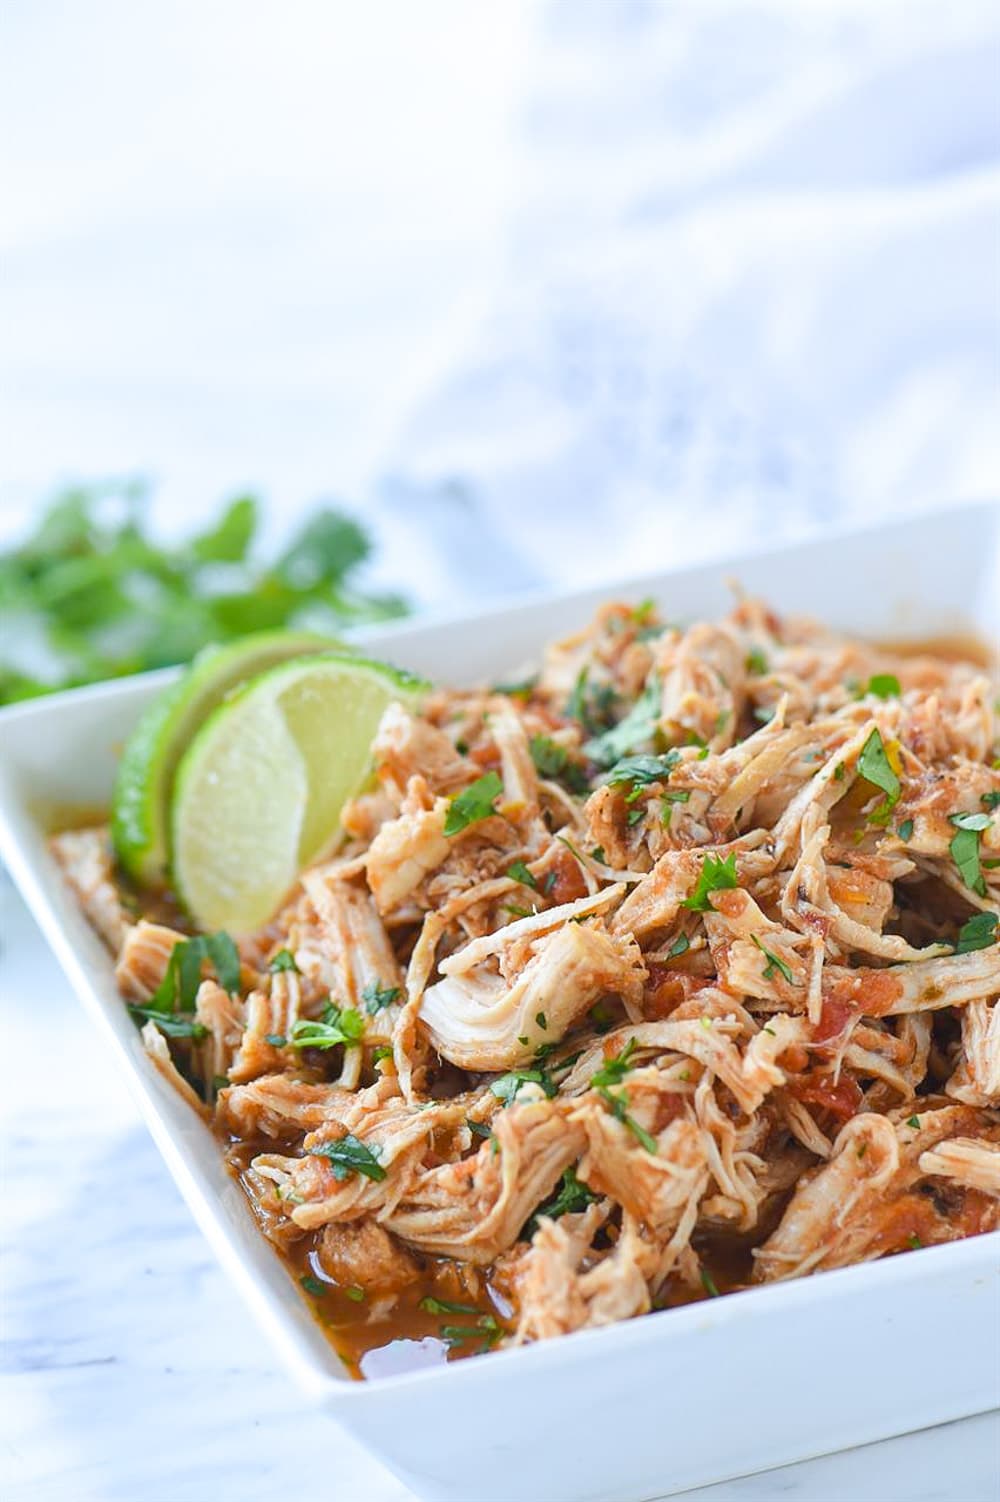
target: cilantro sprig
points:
(774, 961)
(571, 1198)
(633, 731)
(964, 849)
(107, 599)
(473, 803)
(171, 1005)
(981, 930)
(336, 1026)
(377, 997)
(348, 1155)
(875, 767)
(716, 875)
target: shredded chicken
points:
(670, 969)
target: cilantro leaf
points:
(964, 849)
(992, 800)
(173, 1024)
(179, 986)
(774, 962)
(680, 946)
(473, 803)
(348, 1155)
(377, 997)
(756, 663)
(518, 871)
(884, 686)
(283, 960)
(553, 761)
(571, 1198)
(715, 876)
(507, 1085)
(338, 1025)
(982, 930)
(640, 771)
(874, 766)
(614, 1070)
(634, 730)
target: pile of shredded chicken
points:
(678, 957)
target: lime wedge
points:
(139, 810)
(260, 789)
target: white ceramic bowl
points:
(675, 1399)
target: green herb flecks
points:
(314, 1286)
(377, 997)
(338, 1025)
(109, 600)
(631, 733)
(715, 876)
(348, 1155)
(518, 871)
(554, 762)
(283, 960)
(883, 686)
(571, 1198)
(774, 962)
(473, 803)
(964, 849)
(982, 930)
(875, 767)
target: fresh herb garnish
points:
(637, 727)
(276, 1040)
(667, 801)
(314, 1286)
(875, 767)
(715, 876)
(347, 1155)
(485, 1329)
(964, 849)
(884, 686)
(774, 962)
(914, 1122)
(978, 933)
(914, 1241)
(680, 946)
(756, 662)
(992, 800)
(473, 803)
(337, 1025)
(355, 1294)
(479, 1128)
(518, 871)
(597, 854)
(377, 997)
(614, 1070)
(708, 1283)
(110, 600)
(905, 830)
(618, 1101)
(179, 986)
(520, 690)
(517, 912)
(173, 1024)
(640, 771)
(571, 1198)
(553, 761)
(282, 960)
(507, 1085)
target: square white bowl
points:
(673, 1400)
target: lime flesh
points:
(260, 789)
(139, 812)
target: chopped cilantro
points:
(348, 1155)
(634, 815)
(884, 686)
(337, 1025)
(355, 1294)
(875, 767)
(680, 946)
(542, 1021)
(964, 849)
(715, 876)
(756, 662)
(905, 830)
(618, 1101)
(637, 727)
(520, 690)
(979, 933)
(479, 1128)
(914, 1122)
(839, 772)
(667, 801)
(507, 1085)
(518, 912)
(283, 960)
(553, 761)
(640, 771)
(914, 1241)
(519, 872)
(992, 800)
(381, 1051)
(774, 962)
(173, 1024)
(314, 1286)
(179, 986)
(485, 1328)
(708, 1283)
(276, 1040)
(377, 997)
(473, 803)
(571, 1198)
(597, 854)
(614, 1070)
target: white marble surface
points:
(130, 1369)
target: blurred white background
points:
(541, 288)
